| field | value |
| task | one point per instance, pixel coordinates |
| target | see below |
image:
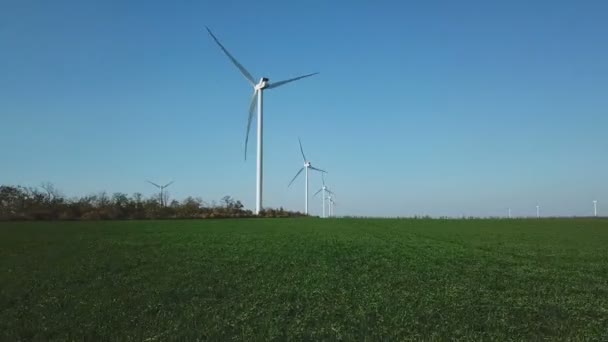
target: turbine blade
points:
(171, 182)
(316, 193)
(314, 168)
(296, 176)
(234, 61)
(280, 83)
(254, 98)
(156, 185)
(302, 150)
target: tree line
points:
(48, 203)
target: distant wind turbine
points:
(509, 212)
(307, 165)
(258, 91)
(162, 190)
(325, 190)
(331, 204)
(537, 211)
(594, 208)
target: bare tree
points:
(52, 194)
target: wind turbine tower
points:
(537, 211)
(594, 208)
(256, 99)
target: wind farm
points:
(257, 102)
(436, 180)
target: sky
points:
(441, 108)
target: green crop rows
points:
(305, 279)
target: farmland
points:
(304, 279)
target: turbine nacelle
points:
(307, 164)
(262, 84)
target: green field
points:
(304, 279)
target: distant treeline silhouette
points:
(47, 203)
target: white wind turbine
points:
(162, 190)
(594, 208)
(307, 165)
(331, 204)
(258, 92)
(325, 190)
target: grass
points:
(305, 279)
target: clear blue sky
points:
(435, 107)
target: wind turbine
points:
(307, 165)
(162, 189)
(331, 204)
(509, 212)
(537, 211)
(325, 190)
(258, 92)
(594, 208)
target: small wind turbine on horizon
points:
(258, 91)
(162, 190)
(331, 204)
(509, 212)
(307, 165)
(594, 208)
(325, 190)
(537, 211)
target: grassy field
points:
(304, 279)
